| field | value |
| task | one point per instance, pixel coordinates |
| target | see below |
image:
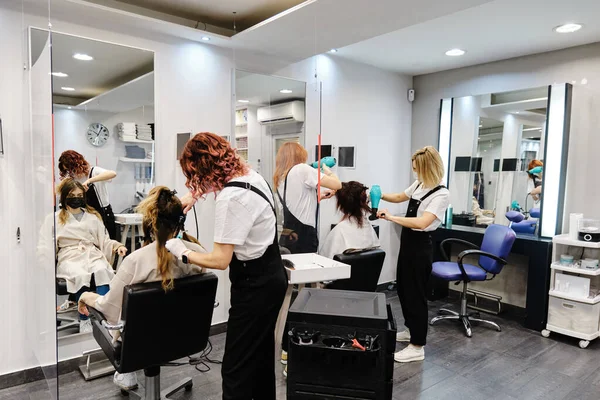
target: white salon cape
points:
(83, 249)
(348, 235)
(139, 267)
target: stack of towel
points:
(151, 125)
(126, 130)
(144, 132)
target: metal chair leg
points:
(447, 311)
(484, 321)
(467, 324)
(442, 317)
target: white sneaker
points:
(284, 357)
(410, 354)
(126, 381)
(66, 306)
(403, 336)
(85, 326)
(285, 371)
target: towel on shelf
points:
(135, 152)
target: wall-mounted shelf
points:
(242, 148)
(242, 124)
(137, 141)
(136, 160)
(241, 136)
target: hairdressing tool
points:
(328, 161)
(536, 170)
(357, 345)
(375, 194)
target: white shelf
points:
(565, 296)
(574, 334)
(136, 160)
(241, 136)
(567, 241)
(137, 141)
(581, 271)
(242, 124)
(242, 148)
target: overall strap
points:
(432, 191)
(246, 185)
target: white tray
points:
(311, 267)
(132, 219)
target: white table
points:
(128, 224)
(310, 269)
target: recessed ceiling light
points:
(82, 57)
(285, 91)
(455, 52)
(481, 126)
(206, 38)
(68, 89)
(59, 74)
(69, 107)
(568, 28)
(243, 101)
(516, 112)
(333, 51)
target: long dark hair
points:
(352, 201)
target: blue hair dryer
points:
(536, 170)
(375, 199)
(329, 161)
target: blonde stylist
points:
(427, 203)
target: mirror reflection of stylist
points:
(71, 164)
(296, 185)
(427, 203)
(535, 180)
(246, 241)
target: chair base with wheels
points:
(151, 389)
(463, 316)
(495, 248)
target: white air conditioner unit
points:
(281, 113)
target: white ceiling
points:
(134, 94)
(261, 90)
(497, 30)
(113, 65)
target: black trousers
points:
(248, 368)
(412, 274)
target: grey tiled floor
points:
(513, 364)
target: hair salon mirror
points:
(269, 112)
(506, 156)
(103, 106)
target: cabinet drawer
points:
(574, 316)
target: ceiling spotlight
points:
(82, 57)
(68, 89)
(59, 74)
(206, 38)
(481, 126)
(243, 101)
(69, 107)
(333, 51)
(455, 52)
(285, 91)
(516, 112)
(568, 28)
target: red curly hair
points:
(71, 164)
(208, 162)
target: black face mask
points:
(75, 202)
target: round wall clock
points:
(97, 134)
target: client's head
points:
(72, 198)
(163, 218)
(352, 201)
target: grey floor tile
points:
(570, 360)
(413, 378)
(457, 387)
(584, 392)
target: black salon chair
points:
(158, 328)
(365, 269)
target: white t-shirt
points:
(243, 218)
(101, 187)
(436, 203)
(348, 235)
(301, 196)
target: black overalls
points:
(412, 274)
(296, 236)
(92, 198)
(257, 290)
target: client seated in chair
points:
(84, 249)
(354, 231)
(163, 218)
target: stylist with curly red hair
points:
(246, 241)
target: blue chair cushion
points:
(449, 271)
(534, 213)
(514, 216)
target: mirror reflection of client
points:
(84, 249)
(73, 165)
(162, 220)
(354, 231)
(483, 217)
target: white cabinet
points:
(574, 303)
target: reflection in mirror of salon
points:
(103, 100)
(494, 139)
(269, 112)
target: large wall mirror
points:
(269, 112)
(102, 99)
(506, 155)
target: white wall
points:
(70, 127)
(579, 64)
